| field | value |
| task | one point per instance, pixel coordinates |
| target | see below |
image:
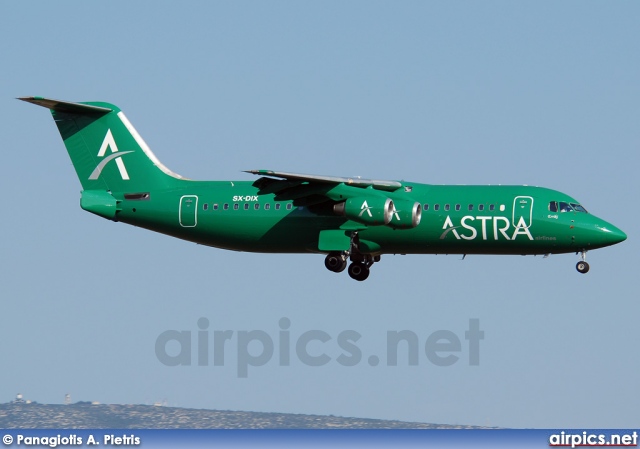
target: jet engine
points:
(405, 214)
(367, 210)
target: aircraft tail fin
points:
(105, 149)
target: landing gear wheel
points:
(582, 267)
(335, 262)
(358, 271)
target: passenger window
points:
(553, 206)
(289, 206)
(256, 206)
(277, 206)
(436, 207)
(205, 206)
(565, 207)
(226, 206)
(446, 207)
(215, 206)
(426, 207)
(492, 207)
(267, 206)
(470, 206)
(236, 206)
(481, 207)
(457, 207)
(246, 206)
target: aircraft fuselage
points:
(468, 220)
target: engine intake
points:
(406, 214)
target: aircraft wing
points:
(363, 203)
(315, 179)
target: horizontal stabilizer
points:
(66, 106)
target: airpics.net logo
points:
(110, 143)
(315, 348)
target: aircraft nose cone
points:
(610, 235)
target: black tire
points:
(582, 267)
(335, 262)
(358, 271)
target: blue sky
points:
(540, 93)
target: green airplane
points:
(344, 218)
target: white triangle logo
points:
(110, 143)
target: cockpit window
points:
(579, 208)
(565, 207)
(553, 206)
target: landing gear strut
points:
(583, 266)
(360, 263)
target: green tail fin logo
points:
(106, 150)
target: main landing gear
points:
(360, 270)
(583, 266)
(336, 262)
(360, 263)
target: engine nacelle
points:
(371, 210)
(405, 214)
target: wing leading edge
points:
(390, 186)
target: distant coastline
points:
(85, 415)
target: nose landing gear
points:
(583, 266)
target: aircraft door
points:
(522, 211)
(188, 211)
